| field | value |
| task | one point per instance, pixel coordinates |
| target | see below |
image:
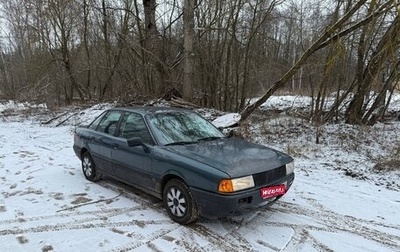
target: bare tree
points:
(188, 27)
(62, 15)
(218, 53)
(332, 33)
(386, 47)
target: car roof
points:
(143, 110)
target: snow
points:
(338, 201)
(227, 120)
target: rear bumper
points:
(77, 151)
(218, 205)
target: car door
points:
(101, 142)
(133, 164)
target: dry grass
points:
(387, 165)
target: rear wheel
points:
(89, 168)
(179, 203)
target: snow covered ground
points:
(346, 195)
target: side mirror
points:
(134, 141)
(138, 141)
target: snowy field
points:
(346, 195)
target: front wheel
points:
(89, 168)
(179, 203)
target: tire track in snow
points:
(232, 240)
(77, 225)
(93, 215)
(100, 214)
(154, 236)
(226, 242)
(333, 222)
(333, 217)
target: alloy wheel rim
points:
(176, 202)
(87, 167)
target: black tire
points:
(89, 168)
(179, 203)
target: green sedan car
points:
(178, 156)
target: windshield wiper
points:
(181, 143)
(209, 138)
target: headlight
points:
(289, 168)
(237, 184)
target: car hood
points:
(235, 157)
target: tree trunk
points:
(86, 44)
(385, 47)
(188, 30)
(154, 74)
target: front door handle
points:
(109, 142)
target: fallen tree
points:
(331, 34)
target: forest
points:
(212, 53)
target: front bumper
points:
(222, 205)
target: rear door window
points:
(109, 122)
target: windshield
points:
(177, 127)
